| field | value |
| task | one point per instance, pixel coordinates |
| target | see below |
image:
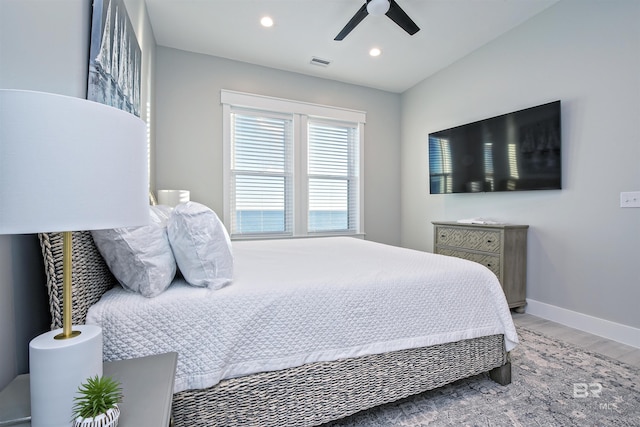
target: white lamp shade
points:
(173, 197)
(69, 164)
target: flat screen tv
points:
(512, 152)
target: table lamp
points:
(173, 197)
(67, 164)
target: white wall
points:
(189, 129)
(44, 46)
(583, 248)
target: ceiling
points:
(449, 30)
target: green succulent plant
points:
(96, 396)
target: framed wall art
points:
(114, 58)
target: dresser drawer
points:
(478, 240)
(492, 262)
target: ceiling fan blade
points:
(357, 18)
(397, 15)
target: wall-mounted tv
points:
(512, 152)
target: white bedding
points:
(305, 300)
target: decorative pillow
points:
(140, 258)
(201, 245)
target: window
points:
(332, 177)
(261, 173)
(291, 169)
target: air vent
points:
(320, 62)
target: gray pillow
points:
(201, 245)
(140, 258)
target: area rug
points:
(553, 384)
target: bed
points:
(320, 385)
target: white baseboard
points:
(614, 331)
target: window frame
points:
(301, 113)
(287, 174)
(353, 170)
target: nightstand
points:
(147, 386)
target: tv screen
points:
(511, 152)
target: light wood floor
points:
(594, 343)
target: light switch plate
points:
(630, 199)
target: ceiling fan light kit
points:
(378, 8)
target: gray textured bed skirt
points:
(320, 392)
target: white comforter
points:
(305, 300)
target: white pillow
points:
(140, 258)
(201, 245)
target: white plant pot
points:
(108, 419)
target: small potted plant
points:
(97, 403)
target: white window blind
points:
(291, 168)
(333, 169)
(261, 174)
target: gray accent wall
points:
(44, 47)
(189, 129)
(583, 248)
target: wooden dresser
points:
(502, 248)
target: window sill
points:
(313, 236)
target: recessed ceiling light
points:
(266, 21)
(375, 51)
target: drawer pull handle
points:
(489, 241)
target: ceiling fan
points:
(379, 8)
